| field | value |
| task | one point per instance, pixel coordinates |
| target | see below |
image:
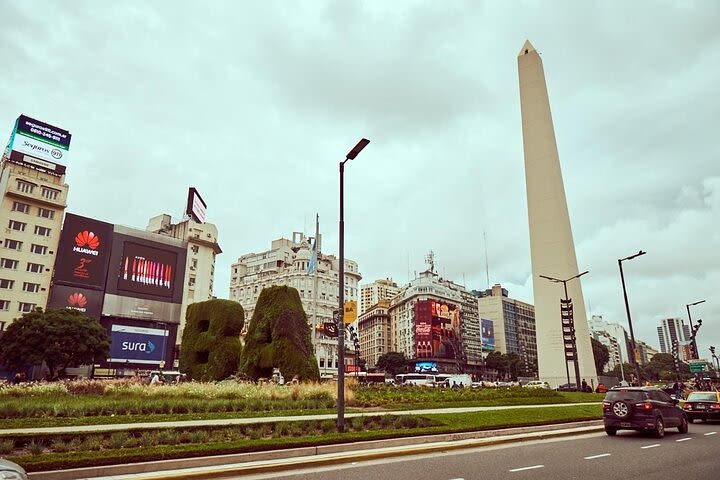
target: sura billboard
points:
(83, 252)
(138, 344)
(40, 140)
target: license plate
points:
(625, 424)
(700, 407)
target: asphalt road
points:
(591, 456)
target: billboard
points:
(149, 270)
(83, 252)
(488, 334)
(437, 329)
(131, 307)
(196, 206)
(40, 140)
(83, 300)
(138, 344)
(37, 164)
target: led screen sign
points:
(83, 300)
(138, 344)
(488, 334)
(147, 270)
(83, 252)
(196, 206)
(40, 140)
(437, 329)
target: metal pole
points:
(341, 311)
(632, 335)
(575, 353)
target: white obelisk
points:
(552, 250)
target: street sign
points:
(330, 329)
(350, 312)
(698, 367)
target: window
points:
(6, 284)
(26, 307)
(18, 226)
(39, 249)
(43, 231)
(25, 187)
(50, 193)
(13, 244)
(8, 263)
(196, 249)
(191, 282)
(31, 287)
(5, 305)
(34, 267)
(20, 207)
(46, 213)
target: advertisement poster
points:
(488, 334)
(138, 344)
(41, 140)
(437, 329)
(423, 329)
(83, 300)
(83, 252)
(147, 270)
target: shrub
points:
(6, 447)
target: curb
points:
(279, 460)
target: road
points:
(591, 456)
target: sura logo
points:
(77, 301)
(87, 242)
(147, 347)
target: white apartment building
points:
(202, 249)
(375, 332)
(600, 328)
(672, 330)
(372, 293)
(286, 263)
(31, 212)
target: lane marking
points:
(684, 439)
(459, 478)
(526, 468)
(651, 446)
(710, 433)
(597, 456)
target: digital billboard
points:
(148, 270)
(132, 307)
(41, 140)
(83, 300)
(488, 334)
(196, 206)
(437, 329)
(138, 344)
(83, 252)
(423, 328)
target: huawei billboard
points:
(83, 252)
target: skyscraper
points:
(552, 249)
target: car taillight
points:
(687, 406)
(644, 406)
(606, 405)
(715, 406)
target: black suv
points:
(643, 409)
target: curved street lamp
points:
(632, 355)
(692, 328)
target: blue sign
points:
(488, 334)
(137, 345)
(424, 367)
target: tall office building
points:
(672, 330)
(34, 198)
(552, 249)
(600, 328)
(372, 293)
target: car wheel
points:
(692, 420)
(659, 430)
(611, 431)
(622, 409)
(683, 427)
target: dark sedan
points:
(702, 406)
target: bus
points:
(415, 379)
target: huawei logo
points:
(87, 239)
(77, 300)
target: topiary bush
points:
(211, 345)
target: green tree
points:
(662, 367)
(498, 362)
(60, 338)
(601, 354)
(392, 363)
(211, 339)
(279, 337)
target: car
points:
(11, 470)
(646, 409)
(537, 384)
(702, 406)
(567, 387)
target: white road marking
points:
(684, 439)
(459, 478)
(597, 456)
(526, 468)
(711, 433)
(651, 446)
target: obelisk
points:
(552, 250)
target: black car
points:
(643, 409)
(702, 406)
(567, 387)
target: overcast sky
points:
(254, 103)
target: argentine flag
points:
(313, 259)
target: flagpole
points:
(316, 256)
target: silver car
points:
(11, 471)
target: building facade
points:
(372, 293)
(600, 328)
(287, 263)
(375, 332)
(514, 325)
(672, 330)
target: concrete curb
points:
(278, 460)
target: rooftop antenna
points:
(487, 269)
(430, 260)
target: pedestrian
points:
(155, 379)
(17, 378)
(584, 385)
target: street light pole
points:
(694, 343)
(627, 311)
(341, 289)
(574, 344)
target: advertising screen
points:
(148, 270)
(196, 206)
(132, 307)
(83, 300)
(423, 328)
(488, 334)
(83, 252)
(40, 140)
(138, 344)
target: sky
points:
(255, 103)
